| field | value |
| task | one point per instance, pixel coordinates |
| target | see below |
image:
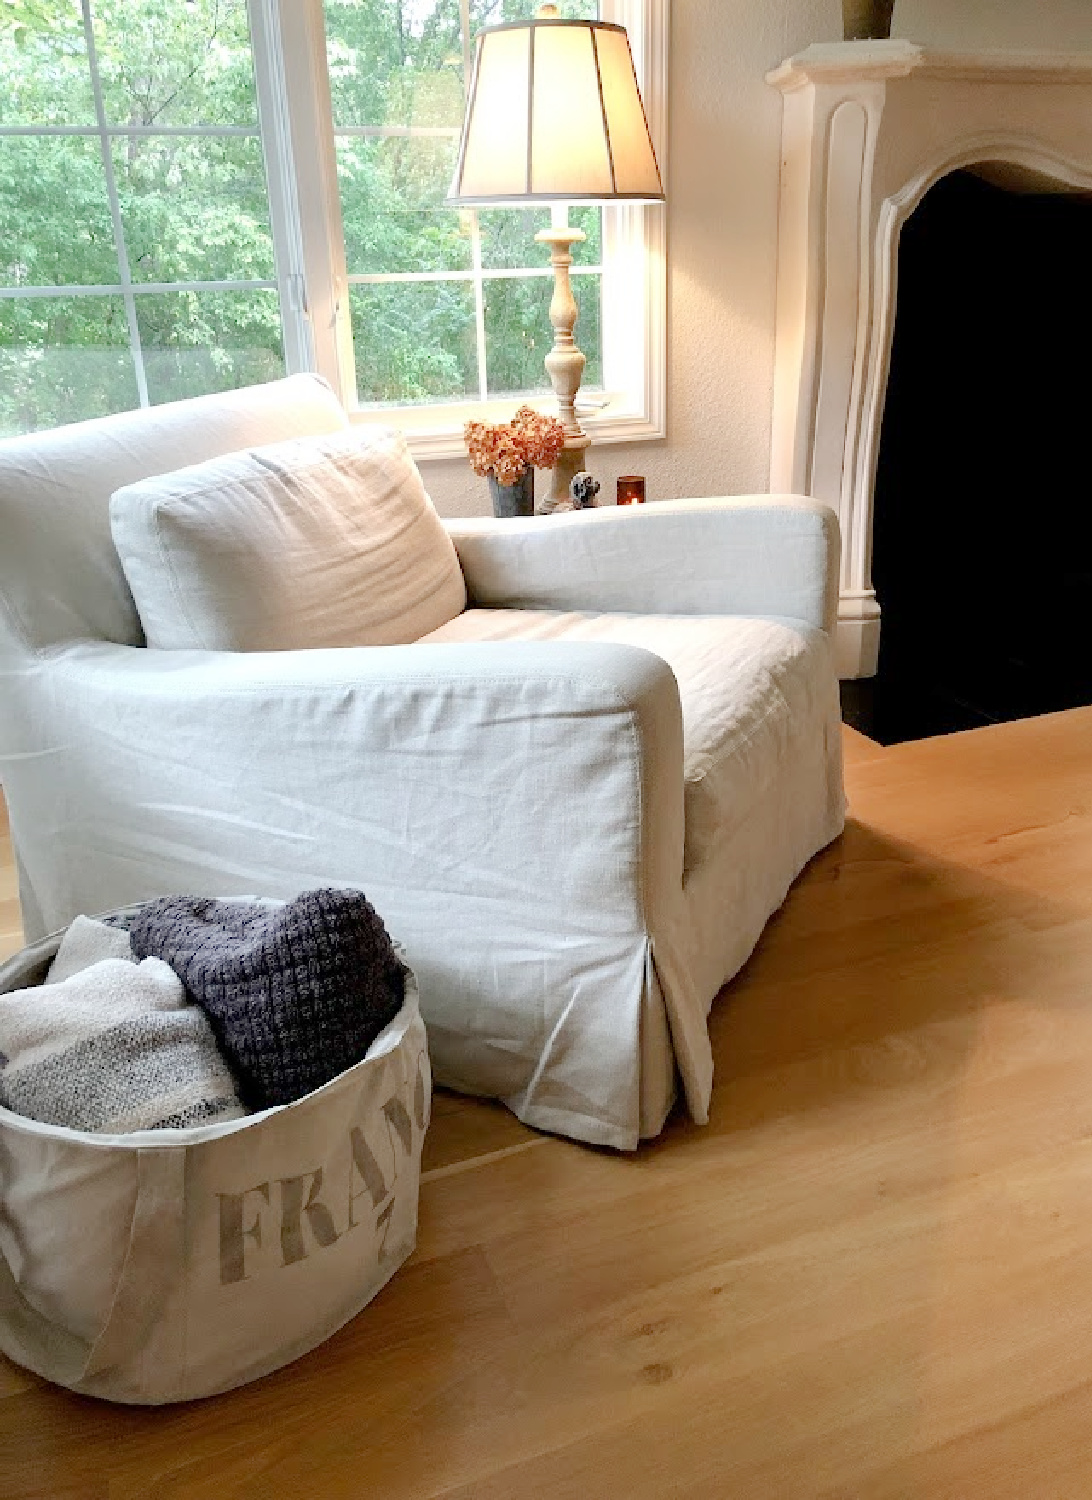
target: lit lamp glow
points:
(554, 116)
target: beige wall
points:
(722, 225)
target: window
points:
(445, 305)
(136, 254)
(197, 194)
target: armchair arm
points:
(751, 555)
(401, 763)
(514, 811)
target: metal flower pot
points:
(514, 499)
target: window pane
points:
(175, 62)
(54, 217)
(518, 335)
(508, 236)
(414, 341)
(195, 342)
(395, 63)
(391, 191)
(44, 68)
(63, 359)
(194, 208)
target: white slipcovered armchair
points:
(576, 803)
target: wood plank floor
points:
(869, 1277)
(11, 936)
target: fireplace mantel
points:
(867, 129)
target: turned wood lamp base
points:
(565, 361)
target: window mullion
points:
(280, 174)
(120, 249)
(290, 63)
(475, 227)
(479, 303)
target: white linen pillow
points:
(317, 541)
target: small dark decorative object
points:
(583, 490)
(631, 489)
(866, 19)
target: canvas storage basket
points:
(172, 1264)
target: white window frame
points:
(297, 129)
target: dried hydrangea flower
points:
(541, 437)
(505, 449)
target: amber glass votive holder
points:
(631, 489)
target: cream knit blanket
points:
(110, 1045)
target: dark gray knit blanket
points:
(295, 994)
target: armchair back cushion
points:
(60, 577)
(313, 542)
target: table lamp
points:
(554, 116)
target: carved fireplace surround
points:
(868, 128)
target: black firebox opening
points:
(982, 541)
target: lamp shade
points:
(554, 114)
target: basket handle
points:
(152, 1269)
(32, 1340)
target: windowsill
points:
(433, 432)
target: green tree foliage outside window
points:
(193, 208)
